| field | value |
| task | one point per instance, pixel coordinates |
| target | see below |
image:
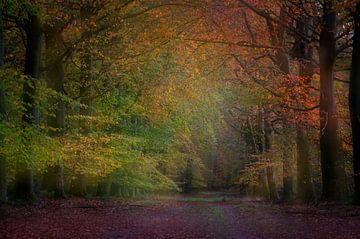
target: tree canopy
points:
(129, 98)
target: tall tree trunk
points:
(270, 174)
(354, 103)
(24, 186)
(303, 52)
(3, 169)
(278, 36)
(264, 189)
(288, 181)
(284, 66)
(56, 121)
(305, 189)
(329, 142)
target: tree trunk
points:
(257, 146)
(305, 189)
(3, 170)
(24, 186)
(270, 169)
(303, 52)
(354, 103)
(329, 142)
(288, 181)
(282, 61)
(264, 189)
(56, 120)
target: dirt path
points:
(173, 219)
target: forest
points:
(127, 100)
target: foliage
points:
(161, 95)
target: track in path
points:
(187, 218)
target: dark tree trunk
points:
(263, 181)
(24, 186)
(354, 103)
(3, 182)
(270, 169)
(303, 52)
(329, 142)
(56, 121)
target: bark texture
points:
(354, 103)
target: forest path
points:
(180, 218)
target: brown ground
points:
(195, 218)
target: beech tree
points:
(354, 101)
(32, 27)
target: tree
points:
(140, 94)
(268, 134)
(24, 187)
(3, 115)
(282, 62)
(329, 140)
(354, 102)
(303, 52)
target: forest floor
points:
(200, 216)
